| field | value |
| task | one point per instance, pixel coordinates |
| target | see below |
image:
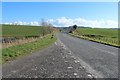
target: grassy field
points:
(16, 51)
(20, 50)
(107, 36)
(21, 30)
(103, 32)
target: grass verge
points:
(14, 52)
(95, 40)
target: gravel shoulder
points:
(53, 62)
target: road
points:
(101, 60)
(69, 57)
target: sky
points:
(62, 14)
(60, 0)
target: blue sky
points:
(62, 13)
(60, 0)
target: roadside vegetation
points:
(13, 33)
(105, 36)
(13, 52)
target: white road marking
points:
(55, 43)
(77, 61)
(70, 67)
(75, 74)
(90, 76)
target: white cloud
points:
(35, 23)
(65, 22)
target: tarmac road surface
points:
(99, 59)
(69, 57)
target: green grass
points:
(104, 32)
(13, 52)
(21, 30)
(109, 36)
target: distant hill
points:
(83, 27)
(68, 28)
(114, 28)
(63, 28)
(106, 28)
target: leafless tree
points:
(43, 26)
(47, 28)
